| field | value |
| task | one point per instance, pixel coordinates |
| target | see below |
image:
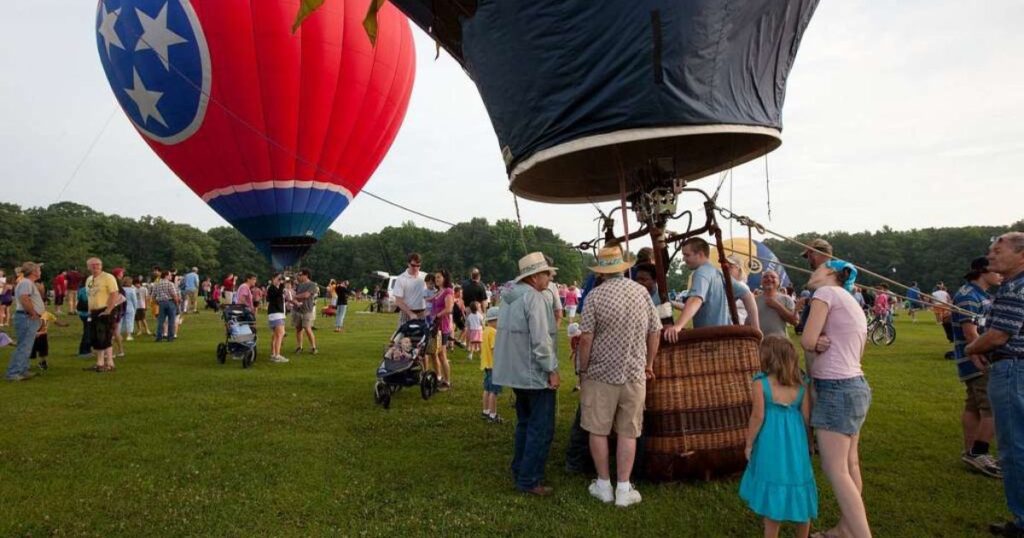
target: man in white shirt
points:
(940, 306)
(409, 287)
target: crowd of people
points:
(819, 409)
(513, 329)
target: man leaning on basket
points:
(621, 333)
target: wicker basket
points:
(698, 405)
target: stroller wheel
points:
(378, 392)
(249, 357)
(222, 352)
(386, 400)
(428, 385)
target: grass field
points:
(173, 444)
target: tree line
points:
(926, 256)
(65, 234)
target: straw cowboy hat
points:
(609, 260)
(533, 263)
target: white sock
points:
(604, 484)
(623, 487)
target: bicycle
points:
(881, 331)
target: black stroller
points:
(403, 364)
(239, 335)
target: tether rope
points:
(747, 221)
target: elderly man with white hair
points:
(1000, 352)
(525, 360)
(774, 309)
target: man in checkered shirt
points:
(621, 333)
(166, 296)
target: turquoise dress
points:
(779, 480)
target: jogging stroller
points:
(403, 364)
(239, 335)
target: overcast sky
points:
(908, 114)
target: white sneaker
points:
(603, 494)
(627, 498)
(278, 359)
(119, 355)
(130, 338)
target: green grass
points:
(173, 444)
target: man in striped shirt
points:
(1000, 352)
(165, 295)
(973, 304)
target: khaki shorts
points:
(302, 320)
(605, 406)
(977, 396)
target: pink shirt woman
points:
(846, 330)
(437, 304)
(836, 330)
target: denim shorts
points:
(841, 405)
(489, 385)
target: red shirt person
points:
(229, 287)
(60, 290)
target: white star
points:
(156, 35)
(106, 29)
(146, 100)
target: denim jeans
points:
(1006, 392)
(535, 428)
(25, 330)
(339, 316)
(168, 311)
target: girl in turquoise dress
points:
(779, 483)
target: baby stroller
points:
(239, 335)
(403, 364)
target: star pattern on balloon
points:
(139, 39)
(106, 28)
(145, 99)
(156, 36)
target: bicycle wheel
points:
(875, 334)
(888, 334)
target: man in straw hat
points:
(621, 333)
(29, 308)
(525, 360)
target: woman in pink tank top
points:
(837, 330)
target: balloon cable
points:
(88, 152)
(747, 221)
(768, 186)
(519, 221)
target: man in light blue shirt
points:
(190, 284)
(706, 302)
(525, 360)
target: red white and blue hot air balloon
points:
(276, 131)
